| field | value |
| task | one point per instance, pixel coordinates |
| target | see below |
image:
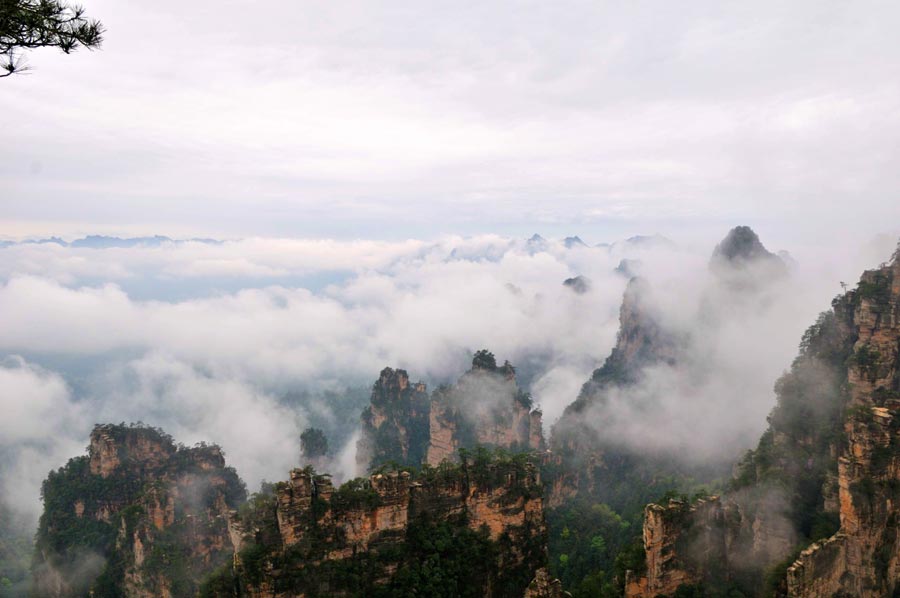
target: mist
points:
(250, 368)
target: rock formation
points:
(485, 407)
(832, 450)
(742, 261)
(139, 517)
(582, 459)
(395, 425)
(479, 524)
(863, 557)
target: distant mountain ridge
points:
(107, 242)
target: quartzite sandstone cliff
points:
(486, 407)
(832, 452)
(139, 517)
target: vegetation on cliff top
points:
(84, 514)
(434, 556)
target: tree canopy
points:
(29, 24)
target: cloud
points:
(362, 120)
(41, 428)
(261, 438)
(222, 365)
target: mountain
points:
(574, 242)
(486, 407)
(536, 244)
(638, 242)
(471, 530)
(742, 261)
(138, 516)
(628, 268)
(107, 242)
(453, 507)
(593, 463)
(813, 510)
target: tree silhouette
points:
(484, 360)
(29, 24)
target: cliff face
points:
(713, 543)
(833, 450)
(583, 462)
(474, 529)
(863, 557)
(395, 425)
(485, 407)
(139, 516)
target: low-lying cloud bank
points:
(216, 360)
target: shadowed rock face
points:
(741, 260)
(741, 243)
(833, 448)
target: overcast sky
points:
(413, 119)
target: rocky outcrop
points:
(863, 557)
(833, 447)
(112, 445)
(394, 426)
(583, 462)
(544, 586)
(485, 407)
(711, 541)
(113, 521)
(363, 538)
(742, 262)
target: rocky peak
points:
(741, 260)
(112, 515)
(574, 242)
(373, 527)
(642, 340)
(141, 447)
(741, 243)
(391, 383)
(536, 244)
(833, 446)
(485, 407)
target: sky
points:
(379, 120)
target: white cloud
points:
(357, 119)
(41, 428)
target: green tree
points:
(29, 24)
(484, 360)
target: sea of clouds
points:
(207, 339)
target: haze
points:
(349, 185)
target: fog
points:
(98, 335)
